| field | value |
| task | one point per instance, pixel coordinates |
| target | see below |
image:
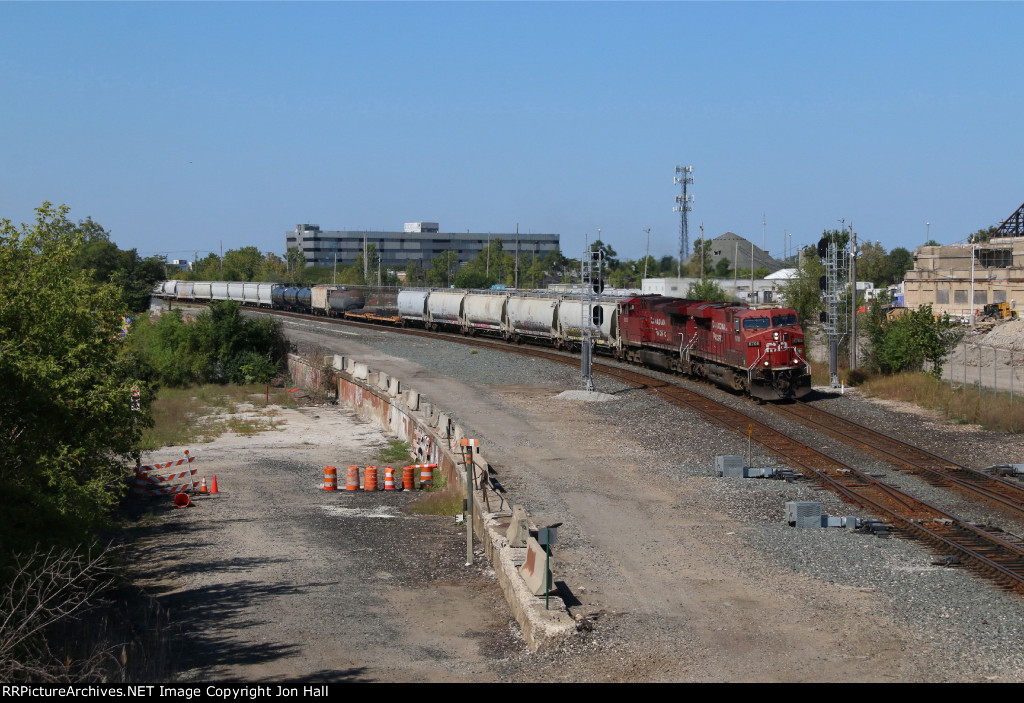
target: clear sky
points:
(178, 126)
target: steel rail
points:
(998, 559)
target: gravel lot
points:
(687, 577)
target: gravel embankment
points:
(963, 628)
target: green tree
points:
(414, 273)
(296, 262)
(67, 426)
(701, 259)
(982, 235)
(442, 269)
(722, 268)
(900, 261)
(802, 292)
(873, 264)
(708, 289)
(242, 264)
(911, 340)
(611, 260)
(219, 346)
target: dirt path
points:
(274, 579)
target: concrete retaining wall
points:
(435, 438)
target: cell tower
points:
(683, 206)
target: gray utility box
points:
(729, 465)
(803, 513)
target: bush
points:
(856, 377)
(219, 346)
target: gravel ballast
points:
(851, 606)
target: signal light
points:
(598, 315)
(823, 248)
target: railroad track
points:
(986, 550)
(936, 470)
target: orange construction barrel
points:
(330, 478)
(370, 480)
(408, 478)
(352, 481)
(427, 475)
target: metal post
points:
(1011, 377)
(979, 369)
(995, 371)
(469, 500)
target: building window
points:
(980, 297)
(999, 296)
(960, 297)
(942, 297)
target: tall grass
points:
(446, 501)
(190, 415)
(397, 452)
(990, 409)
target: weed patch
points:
(445, 501)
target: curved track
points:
(989, 552)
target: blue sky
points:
(178, 126)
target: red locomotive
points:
(757, 351)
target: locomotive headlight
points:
(775, 336)
(765, 362)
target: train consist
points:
(759, 351)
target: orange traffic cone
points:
(389, 478)
(202, 487)
(213, 485)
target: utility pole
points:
(517, 256)
(702, 252)
(853, 312)
(222, 259)
(753, 295)
(647, 255)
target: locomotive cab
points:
(775, 357)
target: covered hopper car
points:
(758, 351)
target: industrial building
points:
(962, 278)
(419, 241)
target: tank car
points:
(484, 313)
(341, 301)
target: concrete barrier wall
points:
(435, 438)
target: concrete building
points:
(420, 241)
(962, 278)
(765, 290)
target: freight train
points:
(753, 350)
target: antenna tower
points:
(684, 204)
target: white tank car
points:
(532, 317)
(484, 312)
(412, 305)
(445, 307)
(203, 290)
(570, 321)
